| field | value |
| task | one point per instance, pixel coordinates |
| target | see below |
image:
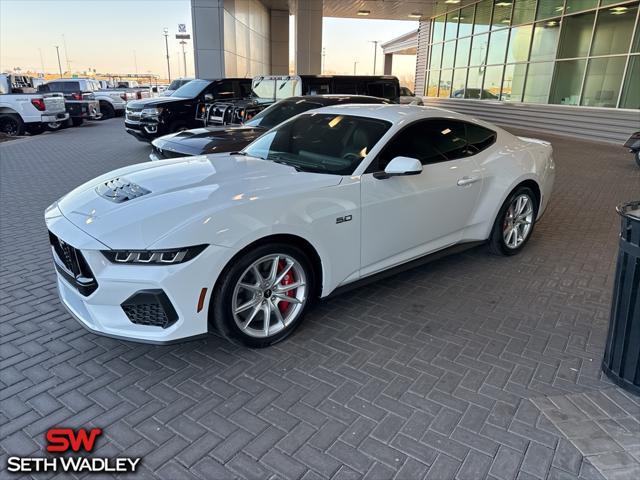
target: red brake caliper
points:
(287, 280)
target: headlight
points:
(154, 257)
(151, 112)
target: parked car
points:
(633, 144)
(407, 97)
(278, 87)
(476, 93)
(23, 109)
(154, 117)
(79, 96)
(175, 85)
(242, 243)
(202, 141)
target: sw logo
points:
(65, 440)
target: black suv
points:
(154, 117)
(202, 141)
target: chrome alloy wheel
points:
(269, 295)
(517, 221)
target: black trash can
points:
(621, 360)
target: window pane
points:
(436, 56)
(448, 54)
(501, 14)
(462, 52)
(483, 16)
(578, 5)
(538, 82)
(438, 29)
(445, 83)
(466, 21)
(549, 8)
(479, 50)
(459, 80)
(479, 137)
(613, 30)
(545, 39)
(602, 84)
(524, 11)
(635, 48)
(513, 82)
(474, 83)
(567, 81)
(631, 90)
(519, 42)
(432, 85)
(498, 46)
(492, 82)
(576, 35)
(451, 28)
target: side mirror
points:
(208, 97)
(400, 166)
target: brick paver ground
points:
(428, 374)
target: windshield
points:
(281, 111)
(320, 142)
(191, 89)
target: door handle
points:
(467, 181)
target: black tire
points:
(11, 125)
(177, 126)
(497, 243)
(107, 110)
(77, 121)
(636, 155)
(220, 309)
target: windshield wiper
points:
(282, 162)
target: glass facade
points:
(563, 52)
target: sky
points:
(126, 36)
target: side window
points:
(430, 141)
(479, 138)
(225, 90)
(245, 89)
(344, 87)
(70, 87)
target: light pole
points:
(59, 64)
(166, 44)
(354, 67)
(375, 52)
(184, 57)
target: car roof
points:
(394, 113)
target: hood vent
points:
(120, 190)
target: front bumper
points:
(101, 310)
(144, 130)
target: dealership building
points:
(560, 66)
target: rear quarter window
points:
(479, 138)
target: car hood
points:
(153, 102)
(208, 140)
(176, 193)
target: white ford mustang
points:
(243, 242)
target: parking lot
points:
(444, 370)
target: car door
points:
(405, 217)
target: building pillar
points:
(308, 36)
(422, 57)
(208, 37)
(388, 63)
(279, 42)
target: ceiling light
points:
(559, 9)
(620, 9)
(618, 12)
(415, 15)
(364, 13)
(505, 20)
(458, 18)
(504, 4)
(552, 23)
(452, 1)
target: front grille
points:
(150, 308)
(72, 265)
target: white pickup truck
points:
(23, 110)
